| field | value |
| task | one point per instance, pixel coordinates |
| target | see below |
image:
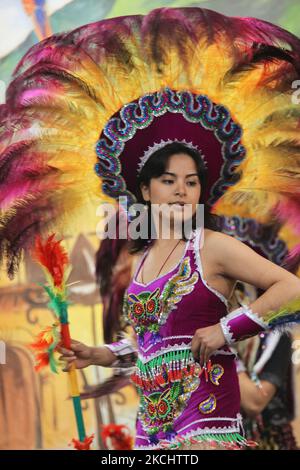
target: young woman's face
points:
(180, 183)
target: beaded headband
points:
(163, 143)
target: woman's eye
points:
(190, 183)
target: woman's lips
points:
(177, 205)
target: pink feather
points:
(292, 260)
(288, 211)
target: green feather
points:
(290, 307)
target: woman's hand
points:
(83, 356)
(79, 354)
(205, 341)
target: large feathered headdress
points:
(70, 90)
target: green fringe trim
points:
(166, 358)
(227, 440)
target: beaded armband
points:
(240, 324)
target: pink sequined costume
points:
(178, 401)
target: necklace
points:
(142, 277)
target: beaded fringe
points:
(230, 441)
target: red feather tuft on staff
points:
(42, 360)
(52, 256)
(44, 339)
(118, 435)
(85, 445)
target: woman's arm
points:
(254, 399)
(239, 262)
(121, 354)
(257, 393)
(84, 356)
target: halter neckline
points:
(170, 271)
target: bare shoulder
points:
(214, 235)
(217, 241)
(214, 239)
(214, 246)
(236, 260)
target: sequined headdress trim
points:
(163, 143)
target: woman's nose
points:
(180, 190)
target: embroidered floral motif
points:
(216, 373)
(208, 405)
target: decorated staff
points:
(55, 263)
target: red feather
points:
(43, 347)
(84, 445)
(44, 339)
(119, 436)
(52, 256)
(42, 360)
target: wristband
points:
(240, 324)
(125, 351)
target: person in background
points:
(265, 373)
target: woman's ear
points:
(145, 192)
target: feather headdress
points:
(66, 89)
